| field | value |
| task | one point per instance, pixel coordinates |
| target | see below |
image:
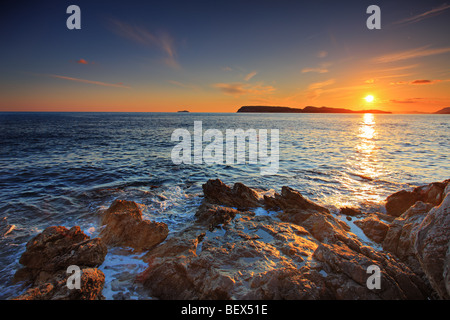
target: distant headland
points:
(309, 109)
(443, 111)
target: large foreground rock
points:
(91, 285)
(233, 251)
(431, 244)
(47, 258)
(373, 227)
(420, 236)
(124, 226)
(399, 202)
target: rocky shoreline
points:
(245, 244)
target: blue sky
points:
(216, 55)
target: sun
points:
(369, 98)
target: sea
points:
(63, 168)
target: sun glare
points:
(369, 98)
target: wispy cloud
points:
(238, 89)
(323, 68)
(425, 15)
(105, 84)
(419, 82)
(318, 85)
(422, 81)
(161, 40)
(410, 54)
(183, 85)
(250, 75)
(322, 54)
(410, 100)
(82, 61)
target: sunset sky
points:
(215, 56)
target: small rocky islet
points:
(245, 244)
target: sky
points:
(216, 56)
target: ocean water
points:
(62, 168)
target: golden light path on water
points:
(363, 168)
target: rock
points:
(316, 219)
(55, 249)
(373, 228)
(431, 245)
(432, 193)
(399, 238)
(349, 211)
(291, 200)
(350, 274)
(124, 226)
(307, 254)
(400, 201)
(446, 273)
(241, 196)
(50, 253)
(91, 286)
(224, 263)
(214, 215)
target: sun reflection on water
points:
(364, 167)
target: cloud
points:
(398, 82)
(82, 61)
(410, 100)
(182, 85)
(323, 68)
(238, 89)
(161, 40)
(418, 82)
(322, 54)
(421, 82)
(319, 85)
(250, 75)
(117, 85)
(410, 54)
(425, 15)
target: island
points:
(443, 111)
(183, 111)
(308, 109)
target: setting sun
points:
(369, 98)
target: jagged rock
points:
(47, 258)
(214, 215)
(446, 273)
(432, 193)
(124, 226)
(307, 255)
(431, 245)
(399, 238)
(241, 196)
(91, 286)
(55, 249)
(401, 201)
(291, 200)
(350, 274)
(349, 211)
(373, 228)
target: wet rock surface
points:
(124, 226)
(47, 258)
(244, 244)
(299, 251)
